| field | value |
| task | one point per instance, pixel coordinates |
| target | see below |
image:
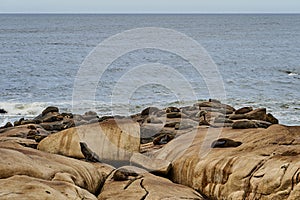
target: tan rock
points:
(110, 140)
(265, 166)
(145, 186)
(18, 160)
(156, 166)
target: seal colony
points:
(250, 142)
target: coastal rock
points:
(30, 188)
(65, 143)
(174, 115)
(265, 166)
(270, 118)
(145, 186)
(149, 110)
(244, 124)
(257, 114)
(110, 140)
(50, 109)
(18, 160)
(2, 111)
(243, 110)
(156, 166)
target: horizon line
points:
(141, 13)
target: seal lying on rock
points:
(123, 174)
(88, 153)
(225, 142)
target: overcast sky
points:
(150, 6)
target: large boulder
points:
(143, 185)
(18, 160)
(110, 139)
(30, 188)
(264, 166)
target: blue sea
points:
(257, 57)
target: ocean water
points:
(257, 55)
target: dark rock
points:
(244, 124)
(257, 114)
(90, 113)
(174, 115)
(163, 139)
(172, 109)
(214, 101)
(2, 111)
(50, 109)
(7, 125)
(244, 110)
(225, 143)
(237, 116)
(171, 124)
(262, 124)
(149, 110)
(270, 118)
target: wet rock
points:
(257, 114)
(172, 109)
(149, 110)
(50, 109)
(163, 138)
(225, 143)
(244, 124)
(214, 101)
(174, 115)
(155, 166)
(7, 125)
(270, 118)
(149, 131)
(2, 111)
(244, 110)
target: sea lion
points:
(224, 143)
(123, 174)
(88, 153)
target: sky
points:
(149, 6)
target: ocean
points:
(257, 57)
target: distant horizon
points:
(143, 13)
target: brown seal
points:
(225, 143)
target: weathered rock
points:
(50, 109)
(145, 186)
(174, 115)
(265, 166)
(257, 114)
(18, 160)
(244, 124)
(30, 188)
(172, 109)
(156, 166)
(110, 140)
(65, 143)
(270, 118)
(7, 125)
(163, 138)
(243, 110)
(225, 143)
(22, 141)
(227, 108)
(149, 110)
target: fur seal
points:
(224, 143)
(124, 175)
(88, 153)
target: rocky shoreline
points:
(208, 150)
